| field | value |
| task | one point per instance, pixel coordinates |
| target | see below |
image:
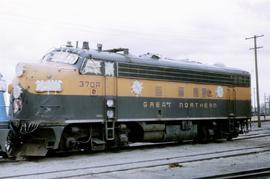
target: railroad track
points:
(253, 173)
(3, 160)
(175, 161)
(147, 146)
(252, 136)
(258, 129)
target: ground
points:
(173, 161)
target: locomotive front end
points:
(37, 95)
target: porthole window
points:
(181, 92)
(158, 91)
(204, 92)
(195, 92)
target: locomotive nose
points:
(32, 79)
(39, 78)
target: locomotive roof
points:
(154, 60)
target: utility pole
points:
(254, 101)
(268, 105)
(265, 102)
(257, 78)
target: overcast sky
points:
(208, 31)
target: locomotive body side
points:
(97, 100)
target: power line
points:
(257, 78)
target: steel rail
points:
(166, 161)
(259, 172)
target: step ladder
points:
(110, 129)
(110, 103)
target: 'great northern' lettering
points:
(181, 105)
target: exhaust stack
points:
(85, 45)
(99, 47)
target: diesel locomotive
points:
(80, 99)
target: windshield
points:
(61, 57)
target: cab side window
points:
(92, 66)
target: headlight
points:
(110, 114)
(17, 91)
(19, 69)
